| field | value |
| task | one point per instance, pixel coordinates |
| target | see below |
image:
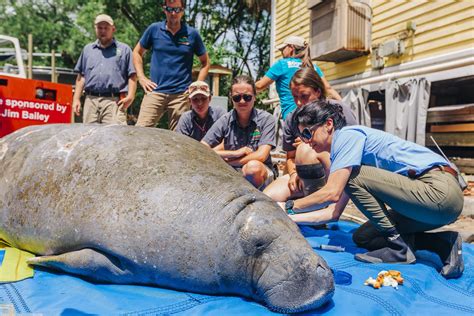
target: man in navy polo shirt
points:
(106, 74)
(173, 45)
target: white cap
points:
(199, 87)
(104, 18)
(297, 41)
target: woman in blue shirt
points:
(403, 188)
(296, 54)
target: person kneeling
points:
(376, 169)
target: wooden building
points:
(377, 50)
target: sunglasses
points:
(238, 97)
(171, 9)
(307, 133)
(195, 88)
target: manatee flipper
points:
(86, 262)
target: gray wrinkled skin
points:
(133, 205)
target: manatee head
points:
(287, 275)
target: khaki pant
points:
(155, 104)
(103, 110)
(430, 201)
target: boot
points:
(313, 177)
(397, 251)
(448, 246)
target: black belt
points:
(103, 94)
(412, 173)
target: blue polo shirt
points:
(172, 56)
(105, 70)
(359, 145)
(281, 72)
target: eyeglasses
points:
(307, 133)
(171, 9)
(247, 97)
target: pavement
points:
(464, 224)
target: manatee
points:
(130, 205)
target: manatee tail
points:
(87, 263)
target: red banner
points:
(25, 102)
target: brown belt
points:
(448, 169)
(412, 173)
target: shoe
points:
(448, 246)
(396, 252)
(453, 263)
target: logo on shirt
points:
(183, 40)
(256, 135)
(294, 64)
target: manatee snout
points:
(287, 275)
(307, 285)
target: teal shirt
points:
(281, 72)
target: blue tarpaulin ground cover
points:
(423, 292)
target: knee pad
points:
(313, 177)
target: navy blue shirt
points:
(172, 56)
(260, 131)
(359, 145)
(189, 123)
(106, 69)
(291, 132)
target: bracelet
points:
(292, 173)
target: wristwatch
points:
(289, 207)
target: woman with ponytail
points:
(404, 189)
(296, 54)
(305, 167)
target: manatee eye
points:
(256, 235)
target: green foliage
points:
(236, 33)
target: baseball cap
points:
(297, 41)
(199, 87)
(104, 18)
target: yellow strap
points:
(14, 266)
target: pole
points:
(53, 66)
(30, 56)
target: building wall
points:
(442, 26)
(292, 18)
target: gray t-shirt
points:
(260, 131)
(105, 70)
(291, 132)
(190, 125)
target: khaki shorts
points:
(103, 110)
(155, 104)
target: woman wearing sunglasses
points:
(306, 167)
(247, 134)
(403, 188)
(296, 54)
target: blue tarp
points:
(423, 292)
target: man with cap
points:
(296, 54)
(173, 44)
(196, 122)
(106, 75)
